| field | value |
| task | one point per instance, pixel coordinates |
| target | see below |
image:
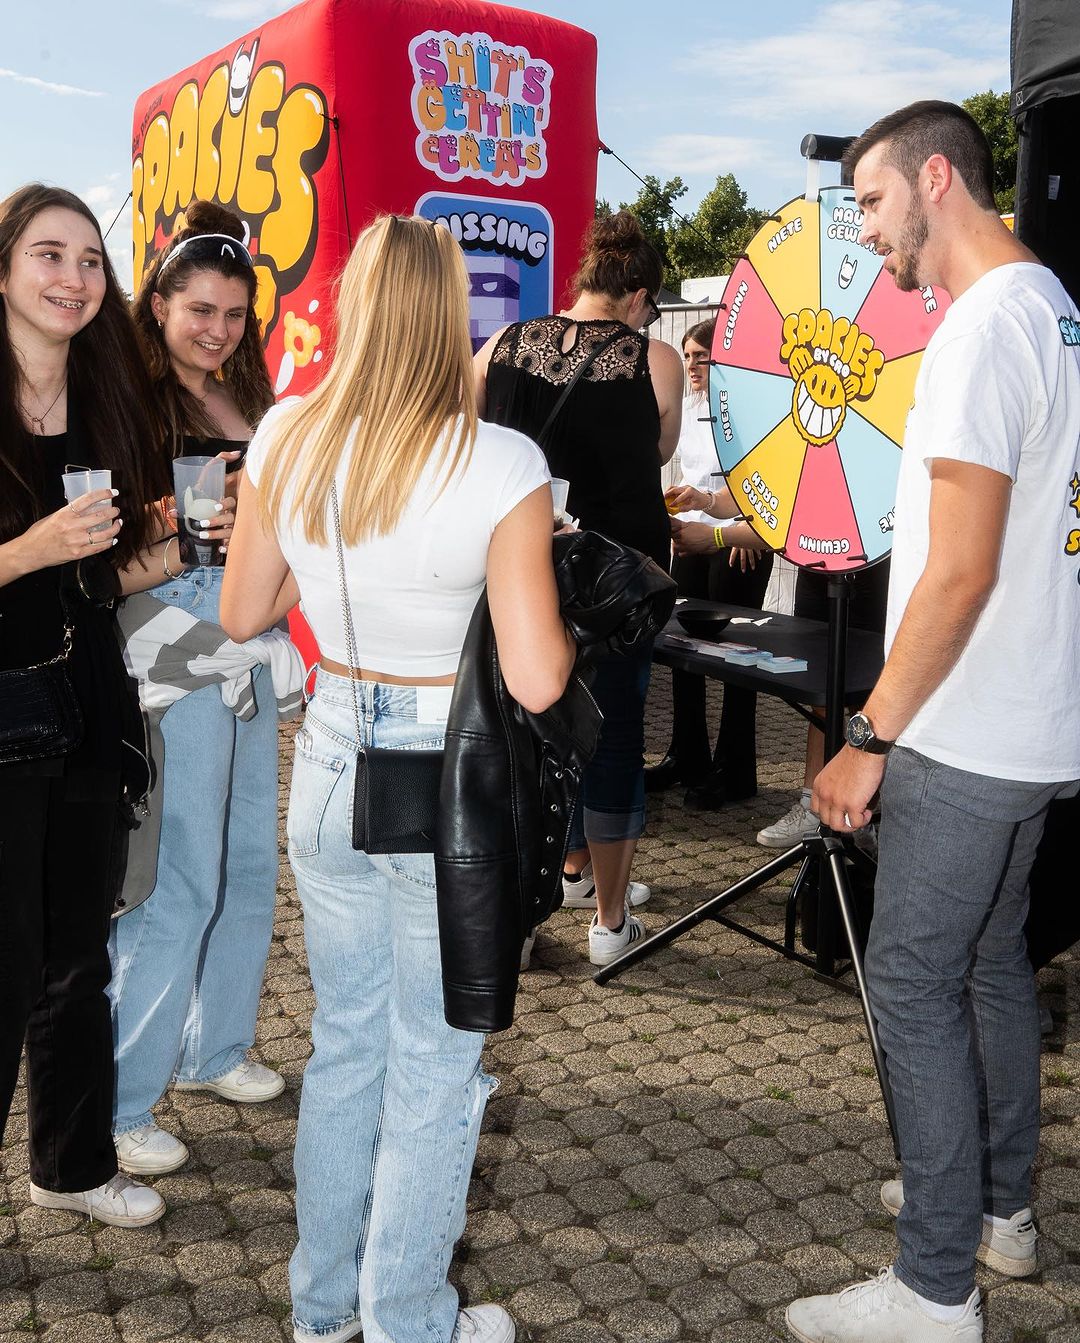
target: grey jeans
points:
(954, 995)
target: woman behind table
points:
(72, 390)
(724, 573)
(609, 439)
(188, 962)
(430, 503)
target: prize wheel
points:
(813, 373)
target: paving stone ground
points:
(671, 1157)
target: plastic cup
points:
(560, 489)
(80, 480)
(199, 483)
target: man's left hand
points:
(845, 788)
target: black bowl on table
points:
(706, 625)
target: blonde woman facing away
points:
(433, 503)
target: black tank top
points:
(606, 438)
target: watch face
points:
(859, 731)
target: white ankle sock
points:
(805, 796)
(998, 1223)
(936, 1311)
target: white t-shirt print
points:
(999, 386)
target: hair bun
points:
(620, 232)
(209, 217)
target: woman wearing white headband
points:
(188, 961)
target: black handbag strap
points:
(581, 369)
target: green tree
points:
(991, 111)
(718, 233)
(709, 241)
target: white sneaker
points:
(120, 1202)
(1009, 1250)
(149, 1150)
(605, 944)
(580, 892)
(797, 824)
(527, 950)
(339, 1335)
(484, 1324)
(882, 1310)
(248, 1081)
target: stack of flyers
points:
(751, 657)
(785, 664)
(724, 650)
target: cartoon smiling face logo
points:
(243, 65)
(819, 402)
(832, 363)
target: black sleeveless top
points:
(605, 439)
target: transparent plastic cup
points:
(80, 480)
(199, 483)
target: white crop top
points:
(413, 591)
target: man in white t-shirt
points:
(978, 693)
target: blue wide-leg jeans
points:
(393, 1096)
(954, 995)
(188, 963)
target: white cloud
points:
(47, 86)
(689, 153)
(849, 64)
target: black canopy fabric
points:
(1045, 52)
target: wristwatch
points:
(860, 735)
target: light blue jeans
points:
(393, 1096)
(954, 995)
(188, 963)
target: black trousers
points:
(713, 578)
(55, 902)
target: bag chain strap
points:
(346, 611)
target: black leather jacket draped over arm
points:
(511, 778)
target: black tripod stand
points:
(821, 860)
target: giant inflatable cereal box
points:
(474, 114)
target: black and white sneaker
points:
(605, 944)
(580, 892)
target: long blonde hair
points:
(402, 371)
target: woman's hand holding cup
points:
(88, 526)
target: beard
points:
(913, 236)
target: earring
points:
(161, 325)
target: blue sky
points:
(695, 89)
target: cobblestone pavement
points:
(673, 1156)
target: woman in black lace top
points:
(609, 439)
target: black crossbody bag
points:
(39, 712)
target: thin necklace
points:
(37, 422)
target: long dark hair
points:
(244, 373)
(108, 392)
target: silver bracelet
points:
(165, 560)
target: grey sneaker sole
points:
(48, 1198)
(1008, 1264)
